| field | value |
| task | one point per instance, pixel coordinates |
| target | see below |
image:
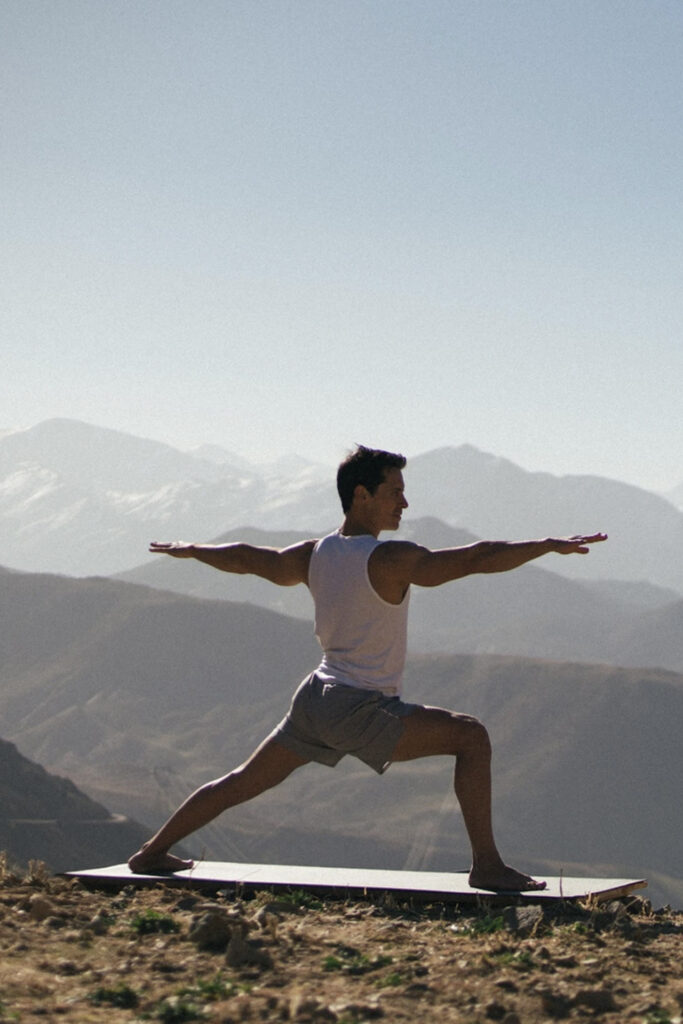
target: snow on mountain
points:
(84, 500)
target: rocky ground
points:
(175, 955)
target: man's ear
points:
(361, 493)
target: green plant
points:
(483, 925)
(390, 980)
(151, 921)
(122, 996)
(352, 961)
(300, 898)
(177, 1010)
(658, 1016)
(4, 1015)
(521, 959)
(211, 990)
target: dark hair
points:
(364, 466)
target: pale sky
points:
(290, 225)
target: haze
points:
(289, 226)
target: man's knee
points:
(471, 734)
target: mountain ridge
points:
(46, 817)
(129, 490)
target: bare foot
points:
(504, 879)
(145, 863)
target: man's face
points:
(386, 505)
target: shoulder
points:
(397, 554)
(302, 549)
(293, 562)
(399, 548)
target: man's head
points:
(365, 467)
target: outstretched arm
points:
(284, 566)
(411, 563)
(436, 567)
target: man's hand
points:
(576, 545)
(176, 548)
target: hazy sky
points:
(289, 225)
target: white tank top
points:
(363, 637)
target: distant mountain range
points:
(531, 611)
(84, 500)
(44, 817)
(139, 694)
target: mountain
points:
(496, 499)
(675, 496)
(531, 611)
(80, 500)
(139, 695)
(656, 638)
(44, 817)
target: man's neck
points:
(354, 526)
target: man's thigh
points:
(432, 731)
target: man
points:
(352, 703)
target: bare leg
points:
(269, 765)
(431, 731)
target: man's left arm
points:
(427, 568)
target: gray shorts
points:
(326, 721)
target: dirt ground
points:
(165, 954)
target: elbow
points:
(238, 559)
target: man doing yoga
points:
(351, 704)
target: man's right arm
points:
(283, 566)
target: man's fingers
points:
(176, 548)
(594, 538)
(577, 545)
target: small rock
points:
(240, 951)
(40, 908)
(211, 931)
(279, 907)
(357, 1011)
(494, 1010)
(555, 1004)
(99, 924)
(67, 967)
(523, 921)
(638, 905)
(54, 921)
(308, 1007)
(164, 967)
(601, 1000)
(186, 903)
